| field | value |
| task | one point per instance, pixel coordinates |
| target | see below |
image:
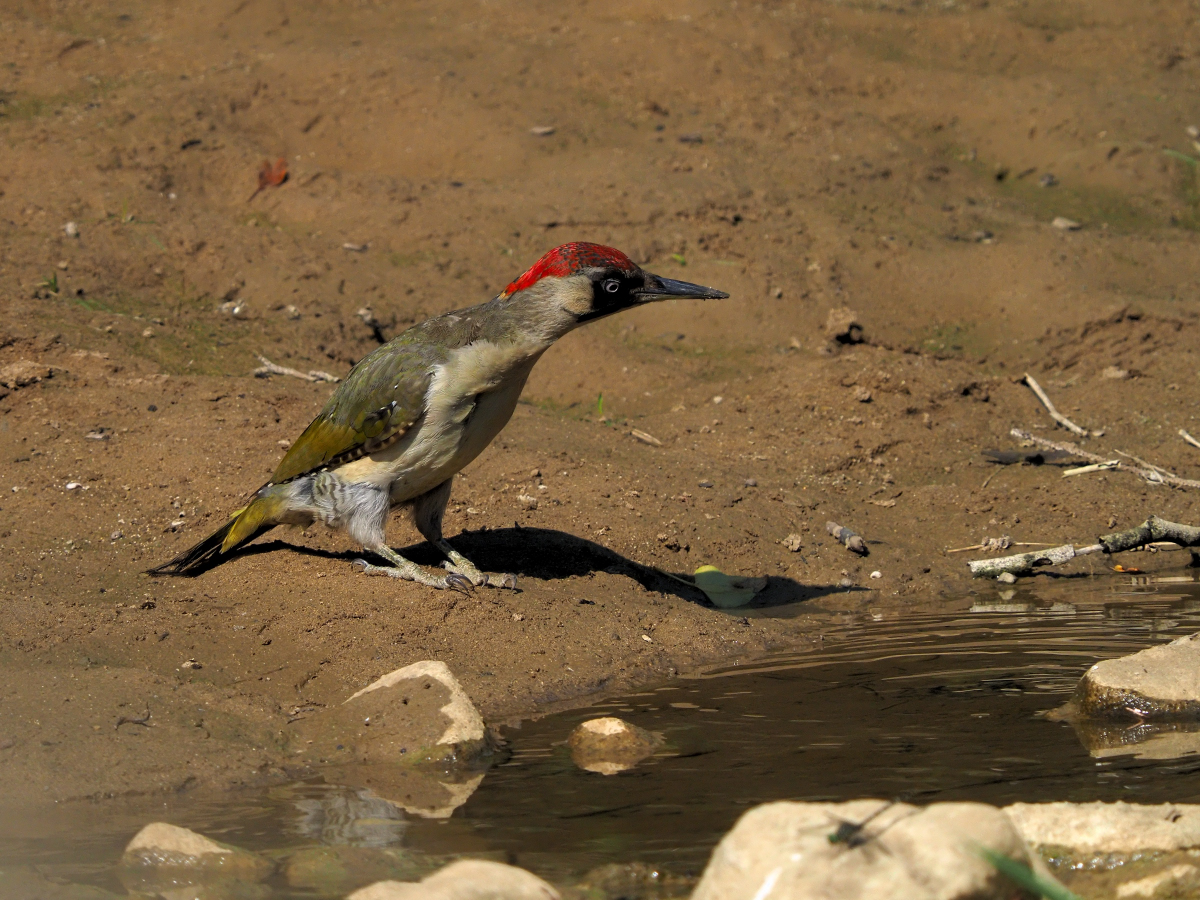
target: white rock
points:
(465, 722)
(1108, 827)
(783, 851)
(1160, 682)
(467, 879)
(1065, 224)
(71, 230)
(610, 745)
(163, 855)
(163, 838)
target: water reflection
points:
(944, 706)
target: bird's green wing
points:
(381, 398)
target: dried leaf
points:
(1128, 570)
(272, 175)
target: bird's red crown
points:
(568, 259)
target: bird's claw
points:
(483, 579)
(460, 583)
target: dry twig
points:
(1187, 437)
(1054, 413)
(269, 368)
(1149, 474)
(1092, 467)
(1151, 531)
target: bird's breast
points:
(471, 397)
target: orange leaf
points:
(272, 176)
(1129, 571)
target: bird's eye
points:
(612, 285)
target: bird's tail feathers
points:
(243, 526)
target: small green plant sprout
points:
(50, 283)
(1182, 157)
(600, 406)
(1024, 876)
(679, 258)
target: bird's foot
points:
(410, 571)
(460, 565)
(482, 579)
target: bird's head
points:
(580, 282)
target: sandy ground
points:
(904, 160)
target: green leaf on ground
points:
(727, 591)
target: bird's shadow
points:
(548, 555)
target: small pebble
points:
(647, 639)
(793, 542)
(191, 664)
(750, 482)
(693, 138)
(862, 395)
(71, 230)
(73, 485)
(1006, 578)
(148, 332)
(63, 265)
(115, 536)
(517, 617)
(876, 574)
(356, 248)
(528, 502)
(717, 400)
(705, 484)
(1065, 224)
(1048, 180)
(542, 130)
(1193, 131)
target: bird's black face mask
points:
(614, 290)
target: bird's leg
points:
(428, 510)
(410, 571)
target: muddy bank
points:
(803, 159)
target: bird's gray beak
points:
(659, 288)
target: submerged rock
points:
(1108, 827)
(331, 871)
(467, 879)
(611, 745)
(26, 882)
(163, 858)
(793, 850)
(1158, 683)
(1180, 880)
(631, 881)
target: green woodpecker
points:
(419, 408)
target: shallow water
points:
(924, 707)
